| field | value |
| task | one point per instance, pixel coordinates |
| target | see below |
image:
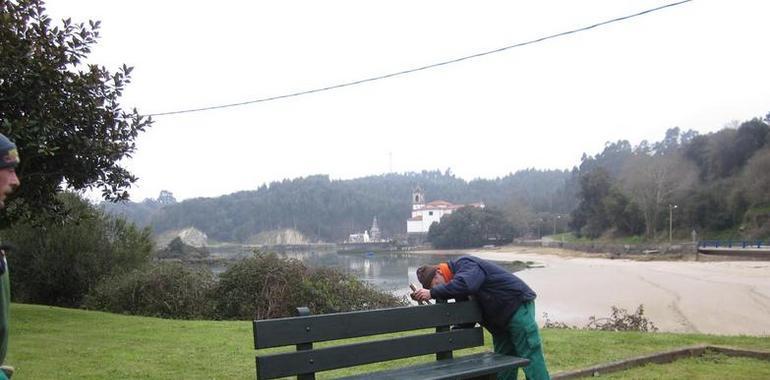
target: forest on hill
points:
(329, 210)
(715, 183)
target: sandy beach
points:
(731, 298)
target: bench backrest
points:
(305, 330)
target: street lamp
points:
(671, 221)
(554, 223)
(540, 228)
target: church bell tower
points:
(418, 198)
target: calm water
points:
(389, 271)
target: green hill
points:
(329, 210)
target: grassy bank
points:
(48, 342)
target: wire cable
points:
(409, 71)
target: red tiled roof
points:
(444, 205)
(440, 205)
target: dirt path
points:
(678, 296)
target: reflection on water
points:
(389, 271)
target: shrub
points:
(260, 287)
(619, 320)
(327, 290)
(167, 290)
(56, 263)
(263, 286)
(267, 286)
(551, 324)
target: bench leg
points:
(491, 376)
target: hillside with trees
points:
(716, 183)
(329, 210)
(713, 183)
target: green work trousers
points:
(523, 340)
(5, 309)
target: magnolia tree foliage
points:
(64, 114)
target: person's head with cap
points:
(9, 159)
(430, 275)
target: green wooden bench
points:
(306, 361)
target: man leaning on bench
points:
(503, 304)
(507, 304)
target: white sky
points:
(697, 66)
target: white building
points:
(424, 214)
(359, 238)
(374, 233)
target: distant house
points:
(359, 238)
(374, 235)
(425, 214)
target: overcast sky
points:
(698, 66)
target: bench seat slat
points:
(322, 359)
(459, 368)
(319, 328)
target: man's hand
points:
(421, 295)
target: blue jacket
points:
(498, 292)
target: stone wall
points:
(614, 249)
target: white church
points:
(424, 214)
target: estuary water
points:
(388, 271)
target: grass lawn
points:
(51, 343)
(570, 237)
(709, 366)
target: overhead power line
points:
(409, 71)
